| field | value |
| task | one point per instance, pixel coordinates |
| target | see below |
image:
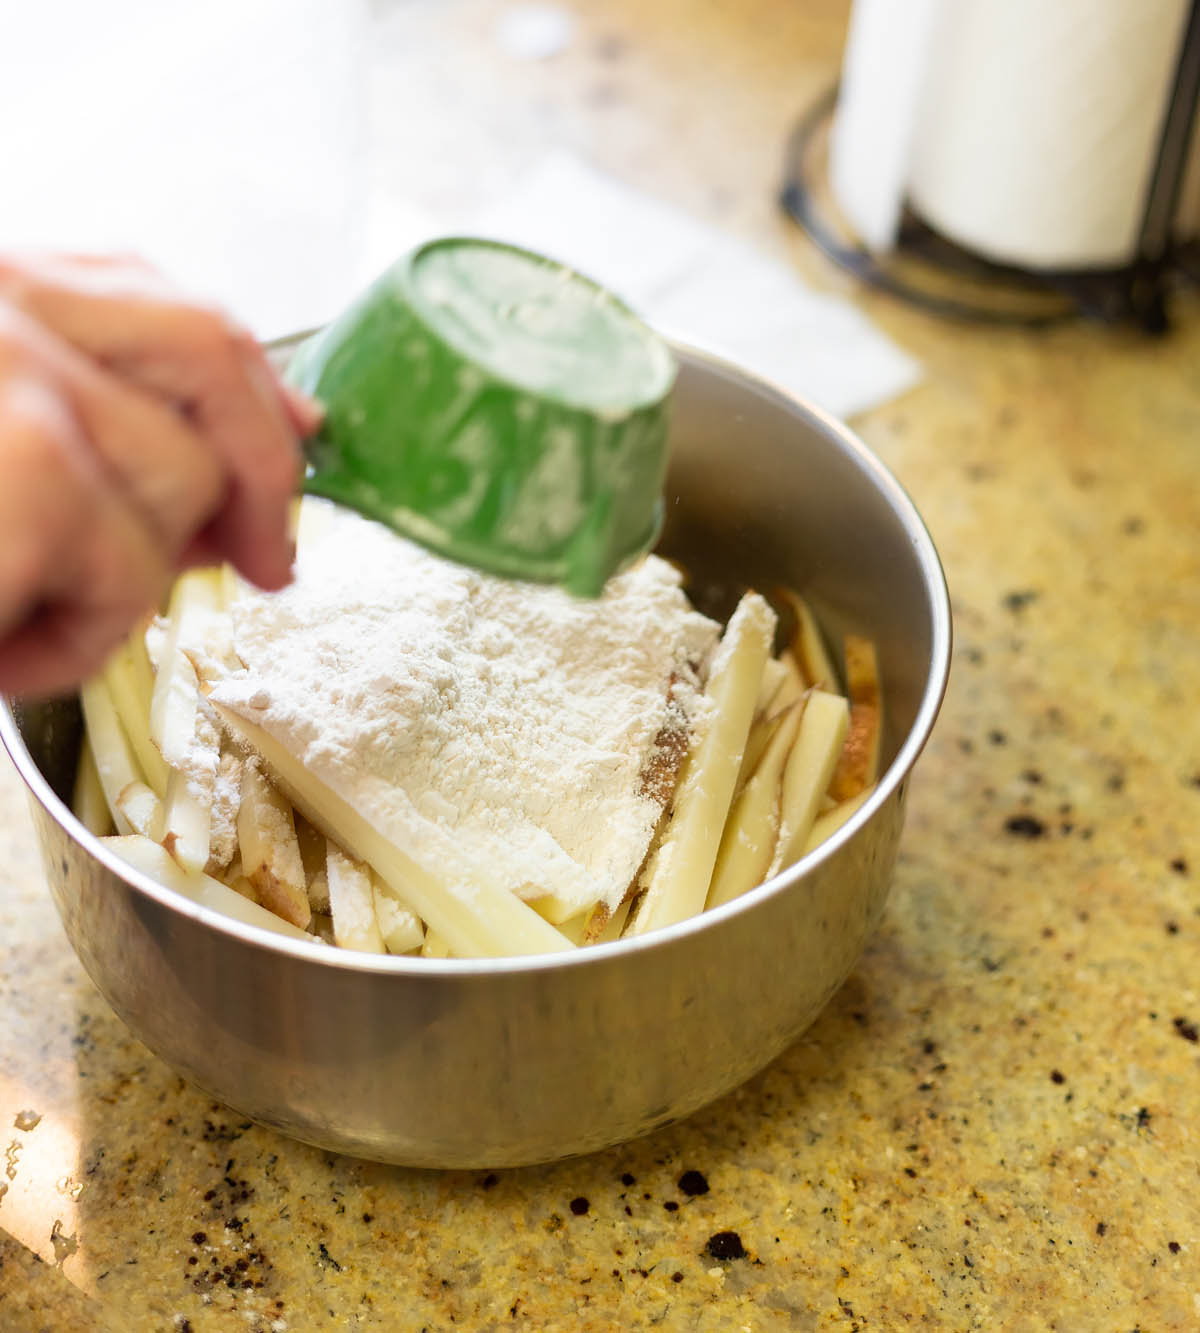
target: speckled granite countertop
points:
(993, 1125)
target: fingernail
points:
(308, 413)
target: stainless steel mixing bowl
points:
(496, 1063)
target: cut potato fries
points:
(680, 867)
(130, 681)
(116, 767)
(807, 644)
(88, 803)
(175, 699)
(480, 919)
(352, 902)
(142, 809)
(752, 828)
(829, 821)
(810, 765)
(434, 946)
(775, 671)
(270, 852)
(401, 928)
(858, 766)
(191, 789)
(180, 724)
(762, 731)
(155, 861)
(794, 685)
(210, 805)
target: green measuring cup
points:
(496, 407)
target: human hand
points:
(139, 433)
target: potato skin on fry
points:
(858, 765)
(270, 853)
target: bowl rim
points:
(938, 597)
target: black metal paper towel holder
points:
(931, 272)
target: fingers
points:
(161, 464)
(241, 414)
(126, 319)
(304, 414)
(49, 653)
(77, 563)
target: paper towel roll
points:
(1033, 137)
(887, 50)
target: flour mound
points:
(531, 726)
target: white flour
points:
(525, 723)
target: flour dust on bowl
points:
(508, 1061)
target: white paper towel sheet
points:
(1033, 134)
(701, 286)
(226, 142)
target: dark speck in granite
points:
(1019, 600)
(725, 1246)
(693, 1183)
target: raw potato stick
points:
(434, 946)
(130, 682)
(175, 699)
(227, 800)
(315, 860)
(794, 685)
(575, 927)
(142, 808)
(401, 929)
(680, 869)
(153, 860)
(759, 739)
(595, 923)
(182, 729)
(351, 902)
(615, 925)
(270, 853)
(808, 644)
(115, 764)
(87, 798)
(191, 793)
(480, 919)
(774, 673)
(831, 820)
(858, 765)
(809, 768)
(752, 828)
(186, 822)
